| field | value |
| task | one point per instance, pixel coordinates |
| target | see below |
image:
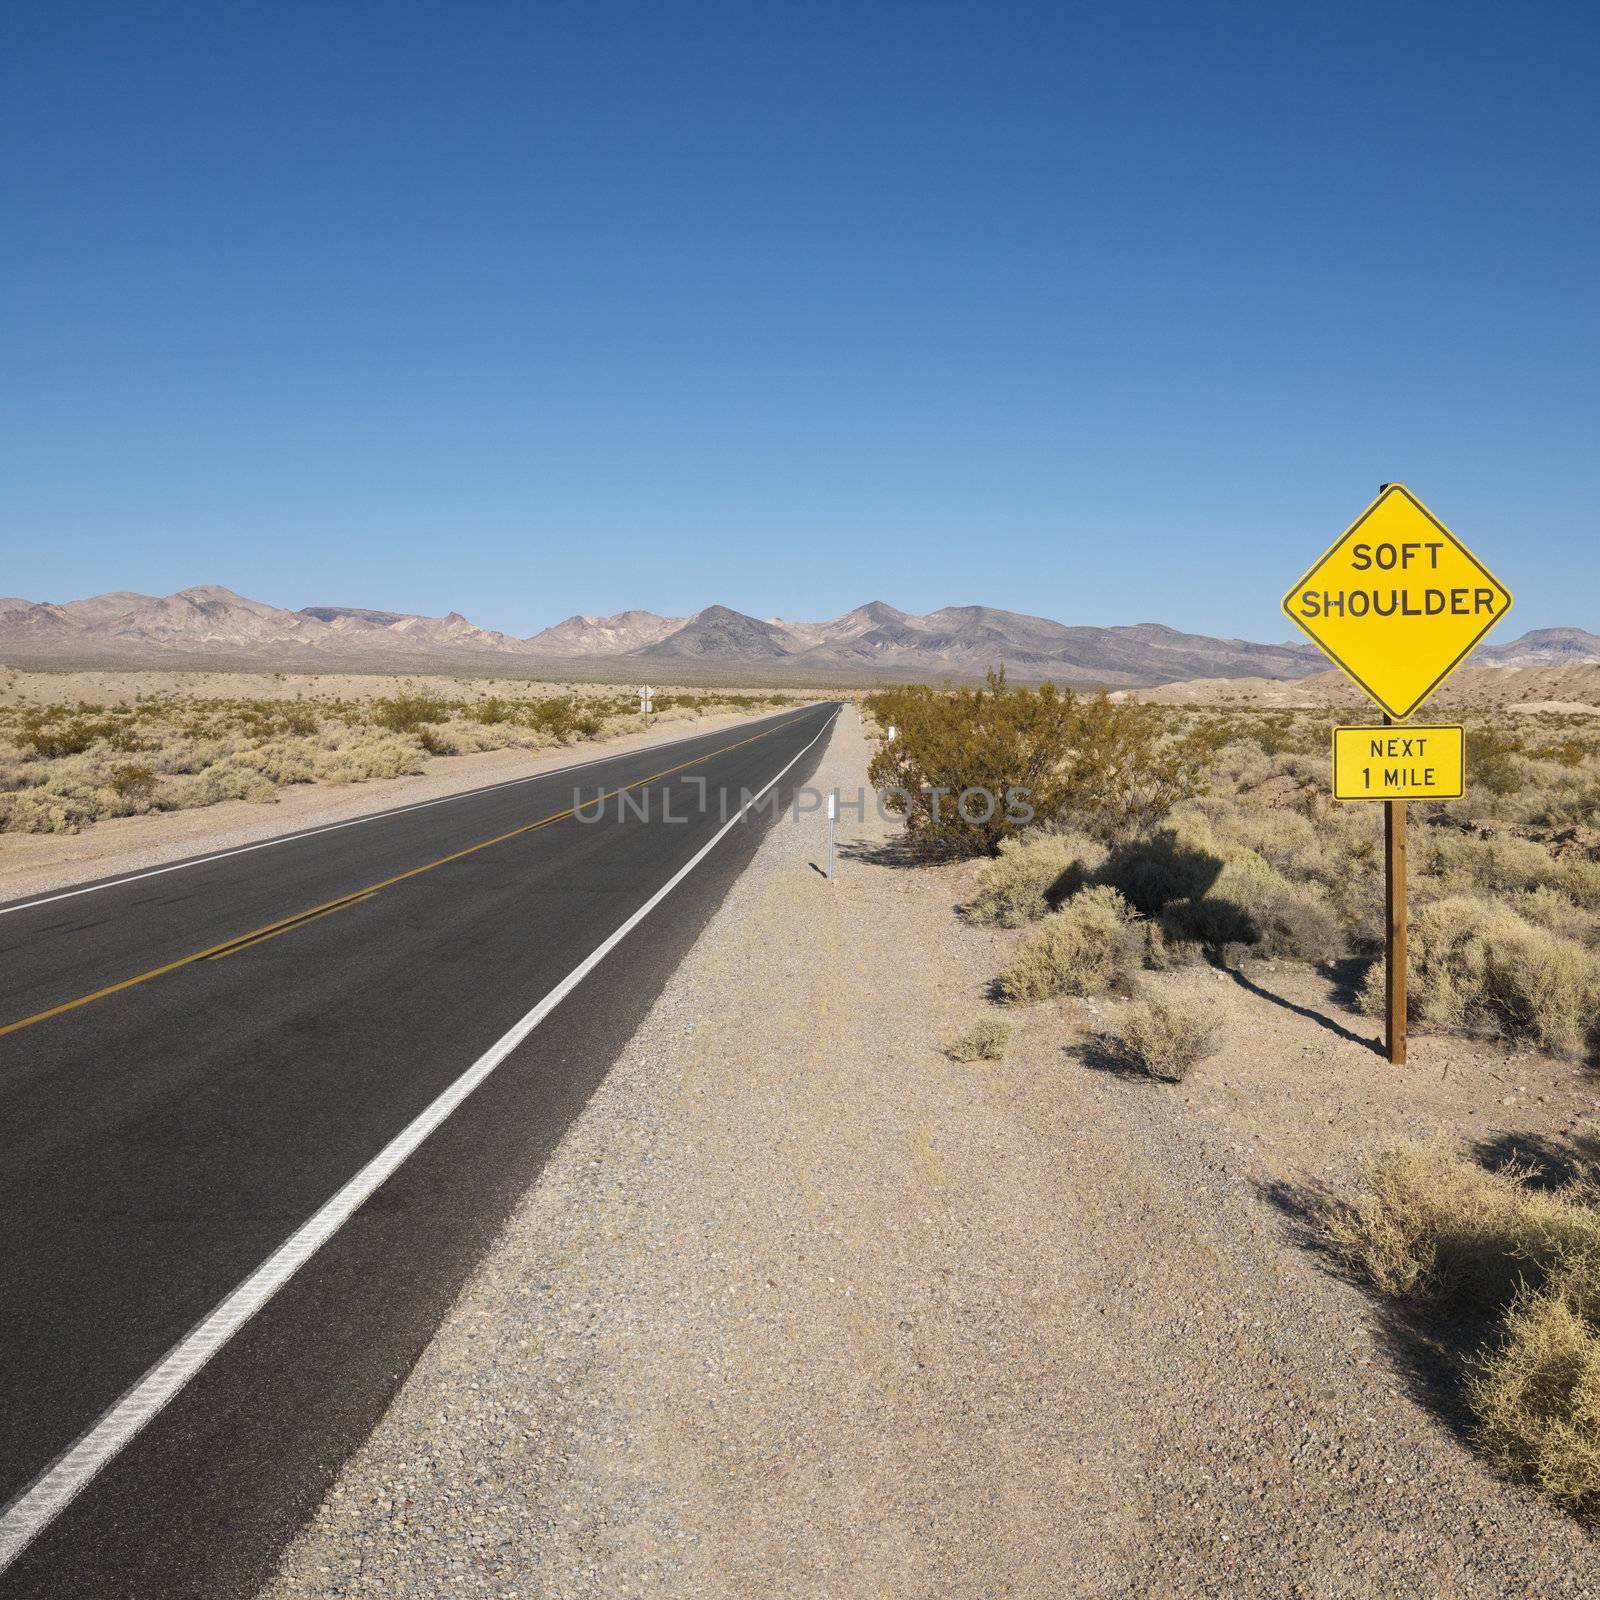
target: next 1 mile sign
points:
(1400, 763)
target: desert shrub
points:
(225, 781)
(1032, 875)
(1536, 1393)
(1524, 1263)
(283, 764)
(1501, 864)
(971, 767)
(38, 811)
(1554, 912)
(435, 744)
(1207, 888)
(298, 720)
(50, 741)
(1492, 760)
(467, 737)
(1564, 752)
(1571, 803)
(407, 712)
(1325, 845)
(1475, 965)
(1162, 1039)
(130, 781)
(1579, 881)
(564, 718)
(369, 758)
(1428, 1226)
(1464, 861)
(20, 775)
(491, 710)
(985, 1040)
(1092, 945)
(1275, 733)
(1158, 955)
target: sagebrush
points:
(1092, 945)
(985, 1040)
(1516, 1259)
(1477, 965)
(1032, 876)
(1162, 1038)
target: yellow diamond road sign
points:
(1398, 602)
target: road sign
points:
(1398, 602)
(1399, 763)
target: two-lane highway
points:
(264, 1110)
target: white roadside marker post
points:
(833, 823)
(891, 733)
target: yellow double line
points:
(300, 919)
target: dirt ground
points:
(1573, 689)
(803, 1307)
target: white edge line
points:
(371, 816)
(32, 1511)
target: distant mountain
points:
(380, 619)
(718, 634)
(211, 624)
(874, 617)
(1543, 647)
(965, 641)
(104, 607)
(603, 636)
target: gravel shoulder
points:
(802, 1307)
(36, 863)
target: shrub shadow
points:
(1150, 874)
(1552, 1163)
(1105, 1052)
(897, 851)
(1345, 975)
(1427, 1348)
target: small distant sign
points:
(1399, 763)
(1398, 603)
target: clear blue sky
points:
(1107, 312)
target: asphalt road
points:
(214, 1072)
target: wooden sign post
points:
(1394, 942)
(1394, 763)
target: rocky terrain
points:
(1529, 687)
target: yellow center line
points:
(287, 924)
(250, 942)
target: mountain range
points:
(212, 626)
